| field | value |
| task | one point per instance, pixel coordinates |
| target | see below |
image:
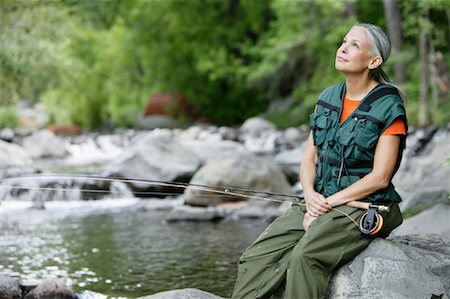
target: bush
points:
(8, 118)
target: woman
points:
(358, 134)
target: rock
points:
(263, 209)
(65, 130)
(423, 179)
(397, 269)
(155, 157)
(255, 126)
(289, 162)
(7, 134)
(44, 144)
(9, 288)
(91, 295)
(206, 149)
(243, 170)
(13, 155)
(187, 213)
(189, 293)
(51, 289)
(433, 221)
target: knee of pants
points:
(300, 255)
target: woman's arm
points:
(385, 159)
(316, 204)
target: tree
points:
(393, 21)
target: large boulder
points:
(432, 221)
(44, 144)
(243, 170)
(403, 268)
(189, 293)
(155, 157)
(423, 178)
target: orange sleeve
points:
(396, 128)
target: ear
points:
(375, 62)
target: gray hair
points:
(381, 46)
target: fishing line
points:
(222, 190)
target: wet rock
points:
(51, 289)
(189, 293)
(397, 268)
(187, 213)
(435, 220)
(44, 144)
(243, 170)
(9, 288)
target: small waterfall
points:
(64, 188)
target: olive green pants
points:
(285, 253)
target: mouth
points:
(341, 59)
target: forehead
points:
(358, 33)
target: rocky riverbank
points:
(255, 156)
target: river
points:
(114, 248)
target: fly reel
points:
(371, 221)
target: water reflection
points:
(127, 252)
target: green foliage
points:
(8, 117)
(96, 63)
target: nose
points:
(343, 49)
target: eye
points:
(356, 45)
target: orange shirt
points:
(396, 128)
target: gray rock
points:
(289, 162)
(212, 149)
(187, 213)
(155, 157)
(262, 209)
(9, 288)
(240, 171)
(433, 221)
(189, 293)
(12, 155)
(395, 269)
(51, 289)
(7, 134)
(255, 126)
(423, 179)
(44, 144)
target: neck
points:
(357, 86)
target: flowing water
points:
(114, 248)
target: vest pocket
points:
(320, 123)
(367, 134)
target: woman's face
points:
(353, 56)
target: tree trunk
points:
(232, 7)
(394, 28)
(424, 77)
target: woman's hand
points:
(316, 204)
(307, 220)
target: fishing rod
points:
(370, 222)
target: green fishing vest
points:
(346, 150)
